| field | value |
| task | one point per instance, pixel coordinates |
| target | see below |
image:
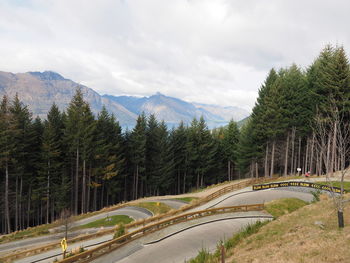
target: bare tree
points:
(66, 219)
(333, 141)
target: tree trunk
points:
(95, 197)
(229, 170)
(328, 154)
(20, 203)
(266, 161)
(312, 154)
(286, 156)
(299, 152)
(83, 188)
(136, 182)
(7, 211)
(52, 210)
(256, 170)
(88, 190)
(28, 208)
(306, 166)
(125, 188)
(184, 188)
(272, 158)
(292, 166)
(197, 186)
(76, 183)
(252, 169)
(48, 192)
(102, 194)
(16, 205)
(334, 144)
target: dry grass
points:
(156, 208)
(296, 238)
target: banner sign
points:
(297, 184)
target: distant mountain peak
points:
(39, 90)
(159, 94)
(47, 75)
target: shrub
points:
(316, 196)
(120, 231)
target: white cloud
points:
(207, 51)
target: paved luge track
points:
(134, 212)
(186, 244)
(183, 245)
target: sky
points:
(207, 51)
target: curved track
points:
(136, 213)
(185, 244)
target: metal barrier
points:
(123, 240)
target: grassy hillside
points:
(298, 237)
(301, 232)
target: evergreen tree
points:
(7, 148)
(74, 132)
(138, 148)
(22, 137)
(230, 141)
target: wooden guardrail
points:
(109, 246)
(216, 194)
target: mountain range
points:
(39, 90)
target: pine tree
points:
(22, 136)
(74, 129)
(230, 141)
(138, 148)
(52, 157)
(7, 147)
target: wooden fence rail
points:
(121, 241)
(139, 223)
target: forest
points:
(81, 162)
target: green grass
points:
(186, 199)
(112, 221)
(155, 207)
(29, 232)
(283, 206)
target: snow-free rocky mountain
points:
(39, 90)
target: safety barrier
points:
(121, 241)
(298, 184)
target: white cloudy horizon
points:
(206, 51)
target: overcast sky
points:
(209, 51)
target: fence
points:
(121, 241)
(222, 191)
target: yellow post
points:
(64, 246)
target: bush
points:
(120, 231)
(316, 196)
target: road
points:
(243, 196)
(136, 213)
(186, 244)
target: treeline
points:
(293, 124)
(77, 161)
